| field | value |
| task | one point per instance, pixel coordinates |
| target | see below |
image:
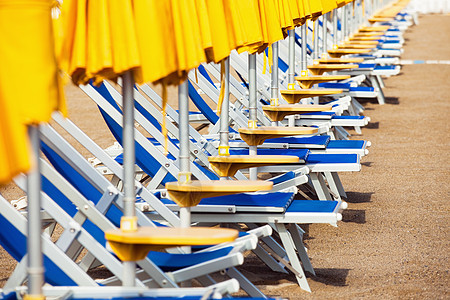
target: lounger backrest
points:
(15, 243)
(146, 161)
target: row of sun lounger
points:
(282, 113)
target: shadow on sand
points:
(372, 125)
(354, 216)
(392, 100)
(334, 277)
(355, 197)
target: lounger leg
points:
(352, 112)
(357, 107)
(339, 185)
(268, 260)
(206, 280)
(320, 186)
(380, 81)
(270, 242)
(331, 134)
(297, 237)
(333, 186)
(115, 180)
(18, 276)
(286, 239)
(157, 179)
(351, 108)
(341, 132)
(87, 262)
(376, 86)
(245, 284)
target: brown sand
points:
(394, 238)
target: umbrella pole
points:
(291, 75)
(316, 40)
(252, 107)
(34, 248)
(185, 175)
(335, 27)
(344, 22)
(274, 78)
(129, 219)
(304, 49)
(224, 148)
(324, 35)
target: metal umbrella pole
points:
(324, 35)
(128, 222)
(224, 148)
(344, 22)
(252, 107)
(185, 171)
(352, 17)
(335, 26)
(291, 74)
(274, 78)
(304, 62)
(315, 40)
(34, 249)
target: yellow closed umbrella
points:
(188, 41)
(286, 20)
(306, 8)
(328, 5)
(159, 40)
(30, 87)
(205, 29)
(295, 12)
(222, 35)
(302, 12)
(270, 23)
(245, 21)
(14, 147)
(316, 8)
(341, 3)
(99, 42)
(156, 44)
(118, 44)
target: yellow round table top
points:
(374, 28)
(319, 69)
(380, 19)
(274, 130)
(257, 136)
(311, 92)
(307, 81)
(255, 159)
(299, 108)
(356, 45)
(332, 66)
(227, 166)
(294, 96)
(190, 194)
(279, 112)
(322, 77)
(365, 38)
(340, 60)
(360, 42)
(232, 186)
(135, 245)
(376, 33)
(348, 51)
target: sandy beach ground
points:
(394, 240)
